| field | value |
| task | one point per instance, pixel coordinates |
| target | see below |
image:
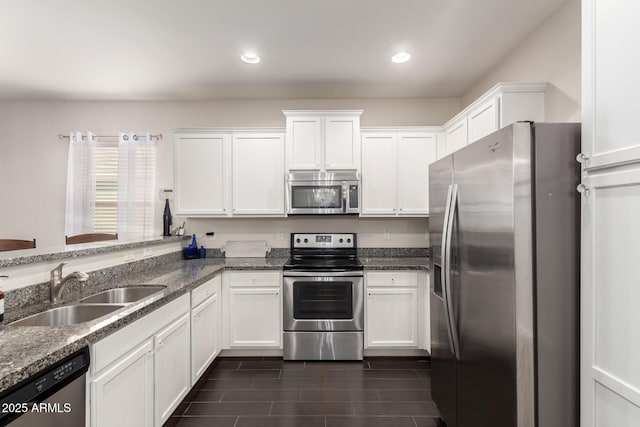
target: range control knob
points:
(348, 240)
(298, 240)
(306, 240)
(341, 240)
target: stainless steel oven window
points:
(322, 300)
(310, 196)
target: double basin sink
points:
(90, 308)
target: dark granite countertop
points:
(400, 263)
(30, 256)
(25, 350)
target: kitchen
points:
(544, 46)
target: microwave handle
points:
(345, 188)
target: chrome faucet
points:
(58, 283)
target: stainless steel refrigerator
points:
(504, 231)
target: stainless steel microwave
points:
(321, 193)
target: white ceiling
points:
(190, 49)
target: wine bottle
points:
(166, 219)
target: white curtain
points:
(81, 184)
(136, 176)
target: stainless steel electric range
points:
(323, 298)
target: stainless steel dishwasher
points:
(55, 396)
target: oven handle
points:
(323, 274)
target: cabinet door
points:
(456, 135)
(610, 83)
(379, 174)
(341, 143)
(255, 317)
(258, 174)
(202, 170)
(483, 119)
(123, 394)
(172, 373)
(415, 152)
(610, 292)
(204, 337)
(391, 317)
(304, 143)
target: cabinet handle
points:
(277, 293)
(161, 342)
(253, 281)
(393, 280)
(370, 294)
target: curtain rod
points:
(61, 136)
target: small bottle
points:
(166, 219)
(203, 252)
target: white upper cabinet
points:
(225, 172)
(416, 150)
(202, 172)
(395, 170)
(456, 135)
(258, 174)
(323, 140)
(610, 82)
(504, 104)
(483, 119)
(379, 178)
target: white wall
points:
(551, 54)
(33, 161)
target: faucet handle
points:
(58, 270)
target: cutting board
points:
(246, 249)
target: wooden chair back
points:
(90, 237)
(14, 244)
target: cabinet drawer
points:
(205, 290)
(392, 278)
(257, 278)
(106, 351)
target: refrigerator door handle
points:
(453, 207)
(443, 275)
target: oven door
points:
(323, 302)
(316, 197)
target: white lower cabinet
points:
(140, 374)
(252, 311)
(396, 310)
(122, 395)
(206, 328)
(171, 370)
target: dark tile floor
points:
(265, 392)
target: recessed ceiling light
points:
(401, 57)
(250, 58)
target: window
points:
(110, 185)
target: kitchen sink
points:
(123, 295)
(68, 315)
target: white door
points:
(456, 135)
(610, 381)
(255, 317)
(304, 143)
(258, 174)
(172, 362)
(341, 143)
(391, 317)
(379, 174)
(123, 394)
(202, 166)
(610, 296)
(204, 337)
(483, 120)
(415, 152)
